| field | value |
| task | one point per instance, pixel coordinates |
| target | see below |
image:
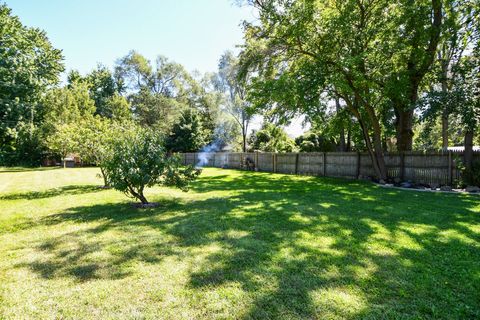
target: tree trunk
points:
(445, 63)
(244, 140)
(342, 145)
(349, 139)
(375, 151)
(445, 129)
(377, 143)
(104, 176)
(382, 168)
(142, 198)
(139, 195)
(468, 153)
(376, 155)
(404, 124)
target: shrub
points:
(471, 177)
(138, 160)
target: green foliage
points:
(64, 139)
(469, 176)
(28, 66)
(314, 142)
(24, 146)
(472, 175)
(187, 134)
(155, 110)
(137, 160)
(373, 55)
(236, 104)
(103, 89)
(117, 108)
(95, 136)
(428, 133)
(157, 93)
(68, 104)
(271, 138)
(461, 100)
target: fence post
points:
(450, 168)
(274, 162)
(296, 163)
(402, 166)
(359, 158)
(324, 164)
(194, 158)
(214, 155)
(256, 160)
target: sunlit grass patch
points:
(238, 245)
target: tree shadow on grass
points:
(299, 248)
(26, 169)
(55, 192)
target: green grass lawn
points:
(239, 245)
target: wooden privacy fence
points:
(425, 168)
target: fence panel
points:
(366, 168)
(425, 168)
(310, 163)
(220, 160)
(190, 159)
(393, 164)
(341, 164)
(286, 162)
(234, 160)
(265, 161)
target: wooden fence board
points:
(426, 168)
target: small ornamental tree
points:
(95, 135)
(138, 160)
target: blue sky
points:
(192, 32)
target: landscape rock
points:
(434, 186)
(472, 189)
(406, 185)
(382, 181)
(446, 188)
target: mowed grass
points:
(239, 245)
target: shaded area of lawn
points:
(26, 169)
(298, 247)
(62, 191)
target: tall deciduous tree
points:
(457, 40)
(372, 54)
(67, 104)
(157, 92)
(103, 89)
(230, 84)
(28, 65)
